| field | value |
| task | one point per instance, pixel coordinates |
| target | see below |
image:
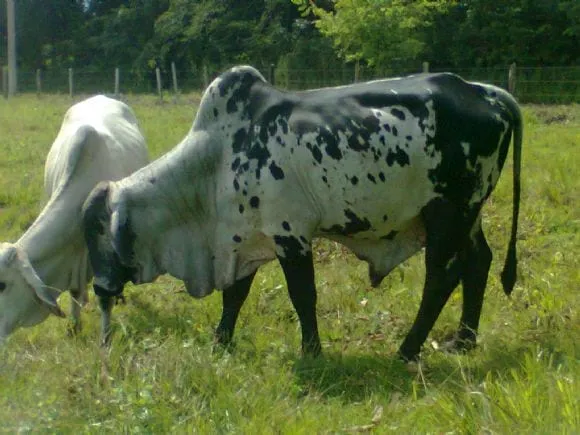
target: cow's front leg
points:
(233, 299)
(78, 300)
(106, 304)
(299, 273)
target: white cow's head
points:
(24, 299)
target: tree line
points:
(141, 35)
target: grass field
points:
(163, 375)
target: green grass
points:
(163, 374)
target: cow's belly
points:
(384, 254)
(370, 210)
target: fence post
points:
(356, 71)
(71, 83)
(271, 74)
(38, 82)
(512, 78)
(117, 81)
(5, 81)
(158, 76)
(425, 67)
(174, 77)
(205, 76)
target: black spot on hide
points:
(236, 185)
(330, 143)
(241, 208)
(290, 245)
(215, 112)
(398, 156)
(398, 114)
(254, 202)
(315, 150)
(286, 226)
(239, 140)
(390, 236)
(276, 171)
(353, 226)
(237, 239)
(382, 176)
(354, 180)
(372, 178)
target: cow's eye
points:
(2, 286)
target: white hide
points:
(99, 140)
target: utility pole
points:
(12, 77)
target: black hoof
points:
(408, 357)
(459, 343)
(312, 350)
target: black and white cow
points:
(385, 167)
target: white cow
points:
(99, 140)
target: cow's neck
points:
(53, 239)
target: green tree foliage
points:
(222, 32)
(117, 31)
(377, 31)
(47, 31)
(529, 32)
(302, 34)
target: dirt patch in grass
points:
(553, 115)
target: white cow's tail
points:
(508, 275)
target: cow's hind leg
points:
(299, 272)
(445, 232)
(233, 299)
(475, 263)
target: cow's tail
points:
(508, 275)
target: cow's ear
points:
(97, 226)
(122, 235)
(44, 295)
(47, 298)
(9, 253)
(96, 219)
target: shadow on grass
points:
(143, 317)
(353, 377)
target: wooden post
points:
(158, 75)
(11, 40)
(205, 76)
(71, 84)
(271, 74)
(117, 81)
(174, 77)
(425, 67)
(512, 78)
(357, 71)
(38, 82)
(5, 81)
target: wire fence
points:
(546, 85)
